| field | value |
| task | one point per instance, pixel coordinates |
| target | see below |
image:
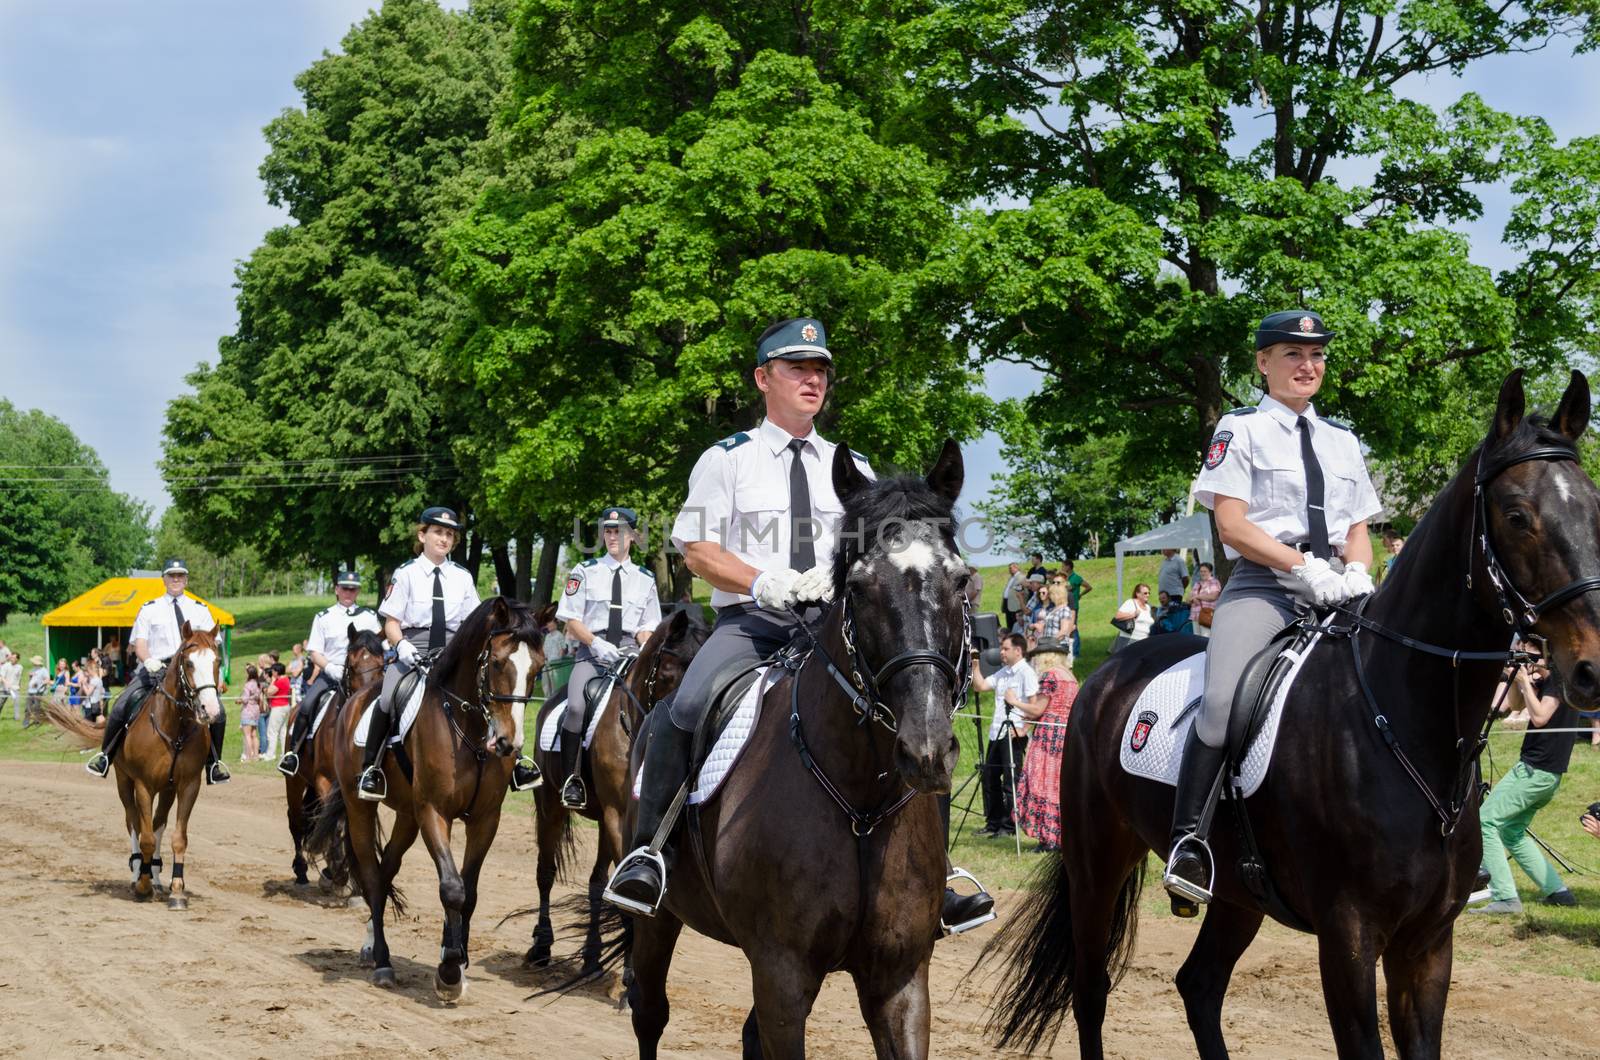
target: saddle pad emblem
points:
(1141, 730)
(1217, 449)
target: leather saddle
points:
(1258, 687)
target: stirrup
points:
(289, 764)
(217, 773)
(1181, 888)
(977, 921)
(379, 790)
(528, 764)
(578, 801)
(100, 759)
(629, 904)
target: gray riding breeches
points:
(396, 670)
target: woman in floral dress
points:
(1039, 788)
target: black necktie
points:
(177, 612)
(802, 553)
(437, 631)
(1316, 517)
(614, 623)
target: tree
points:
(671, 178)
(327, 424)
(1186, 167)
(62, 528)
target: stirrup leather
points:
(1183, 888)
(978, 921)
(382, 785)
(629, 904)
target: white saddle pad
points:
(550, 732)
(725, 752)
(1159, 724)
(407, 716)
(322, 712)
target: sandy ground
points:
(258, 968)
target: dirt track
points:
(256, 968)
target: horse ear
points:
(677, 625)
(948, 472)
(500, 612)
(847, 478)
(1510, 407)
(1572, 415)
(185, 632)
(351, 633)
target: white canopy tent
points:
(1192, 531)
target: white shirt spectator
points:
(1018, 677)
(1143, 618)
(10, 676)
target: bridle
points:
(188, 691)
(347, 679)
(1515, 608)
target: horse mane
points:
(462, 651)
(888, 501)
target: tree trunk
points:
(544, 588)
(524, 574)
(504, 572)
(475, 555)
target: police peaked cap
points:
(444, 517)
(1291, 325)
(618, 516)
(174, 566)
(799, 339)
(348, 579)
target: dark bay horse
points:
(163, 759)
(305, 790)
(654, 675)
(824, 850)
(467, 735)
(1378, 861)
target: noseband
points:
(1515, 608)
(864, 684)
(188, 691)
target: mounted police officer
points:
(327, 644)
(426, 602)
(1291, 498)
(157, 635)
(610, 606)
(759, 523)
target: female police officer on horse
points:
(610, 606)
(1291, 498)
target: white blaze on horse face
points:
(912, 557)
(1563, 487)
(202, 671)
(522, 663)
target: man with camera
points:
(1013, 685)
(1525, 790)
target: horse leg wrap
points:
(177, 872)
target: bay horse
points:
(162, 760)
(1368, 817)
(654, 675)
(466, 737)
(824, 849)
(304, 791)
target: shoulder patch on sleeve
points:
(575, 579)
(733, 441)
(1336, 423)
(1217, 451)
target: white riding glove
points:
(1357, 582)
(334, 670)
(405, 652)
(1323, 584)
(153, 666)
(815, 586)
(774, 589)
(604, 650)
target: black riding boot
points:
(574, 796)
(963, 912)
(1189, 866)
(289, 764)
(372, 785)
(111, 739)
(640, 881)
(216, 772)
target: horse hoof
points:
(449, 993)
(366, 957)
(536, 957)
(302, 881)
(178, 902)
(143, 890)
(383, 978)
(355, 901)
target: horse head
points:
(901, 583)
(197, 671)
(1541, 512)
(363, 659)
(680, 640)
(508, 665)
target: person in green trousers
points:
(1524, 791)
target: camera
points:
(1592, 811)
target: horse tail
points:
(566, 846)
(79, 732)
(1038, 950)
(330, 841)
(616, 938)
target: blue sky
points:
(130, 135)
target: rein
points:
(188, 712)
(486, 696)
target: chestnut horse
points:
(467, 735)
(1367, 821)
(162, 760)
(654, 675)
(363, 666)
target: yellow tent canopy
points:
(107, 612)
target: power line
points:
(264, 461)
(207, 478)
(385, 477)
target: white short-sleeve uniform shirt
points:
(739, 498)
(1019, 676)
(330, 632)
(587, 596)
(157, 625)
(1255, 456)
(409, 598)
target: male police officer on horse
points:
(759, 523)
(327, 644)
(157, 636)
(608, 595)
